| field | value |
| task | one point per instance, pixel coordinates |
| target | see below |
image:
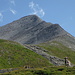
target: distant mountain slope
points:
(31, 30)
(58, 49)
(67, 40)
(14, 55)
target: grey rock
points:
(31, 30)
(53, 59)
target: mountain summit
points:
(32, 30)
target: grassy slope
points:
(58, 49)
(13, 54)
(45, 71)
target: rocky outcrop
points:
(53, 59)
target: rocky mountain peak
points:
(31, 18)
(31, 30)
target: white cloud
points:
(1, 17)
(13, 11)
(36, 9)
(42, 12)
(31, 5)
(12, 2)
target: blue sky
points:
(55, 11)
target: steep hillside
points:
(14, 55)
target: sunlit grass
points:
(13, 54)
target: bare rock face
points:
(32, 30)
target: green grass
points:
(58, 49)
(14, 55)
(45, 71)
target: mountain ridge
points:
(31, 30)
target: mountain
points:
(20, 30)
(32, 30)
(49, 40)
